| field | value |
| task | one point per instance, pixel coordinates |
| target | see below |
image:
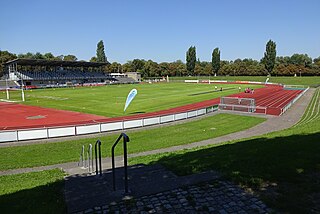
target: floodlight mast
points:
(7, 88)
(22, 92)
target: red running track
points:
(18, 116)
(273, 98)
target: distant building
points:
(134, 75)
(129, 77)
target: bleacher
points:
(61, 75)
(35, 73)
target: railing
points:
(243, 108)
(285, 108)
(86, 160)
(97, 155)
(125, 140)
(90, 159)
(82, 158)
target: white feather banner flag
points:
(266, 80)
(130, 97)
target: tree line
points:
(270, 64)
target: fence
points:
(231, 82)
(54, 132)
(284, 109)
(295, 87)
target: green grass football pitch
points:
(109, 100)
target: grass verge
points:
(35, 192)
(145, 140)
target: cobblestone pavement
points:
(210, 197)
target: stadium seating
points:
(60, 75)
(64, 77)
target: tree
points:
(269, 59)
(138, 64)
(215, 60)
(151, 69)
(49, 56)
(127, 67)
(70, 58)
(191, 59)
(59, 57)
(38, 55)
(317, 61)
(101, 56)
(28, 55)
(115, 67)
(301, 59)
(93, 59)
(181, 68)
(164, 69)
(5, 56)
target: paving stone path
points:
(210, 197)
(153, 189)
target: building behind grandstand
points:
(35, 73)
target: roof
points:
(42, 62)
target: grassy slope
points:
(283, 166)
(311, 81)
(52, 153)
(36, 192)
(109, 100)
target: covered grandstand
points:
(36, 73)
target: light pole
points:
(1, 59)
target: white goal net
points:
(10, 91)
(237, 104)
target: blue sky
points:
(161, 30)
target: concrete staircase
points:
(83, 192)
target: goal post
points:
(237, 104)
(11, 92)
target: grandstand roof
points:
(42, 62)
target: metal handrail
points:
(98, 171)
(81, 159)
(90, 159)
(125, 140)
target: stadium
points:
(26, 122)
(76, 103)
(159, 107)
